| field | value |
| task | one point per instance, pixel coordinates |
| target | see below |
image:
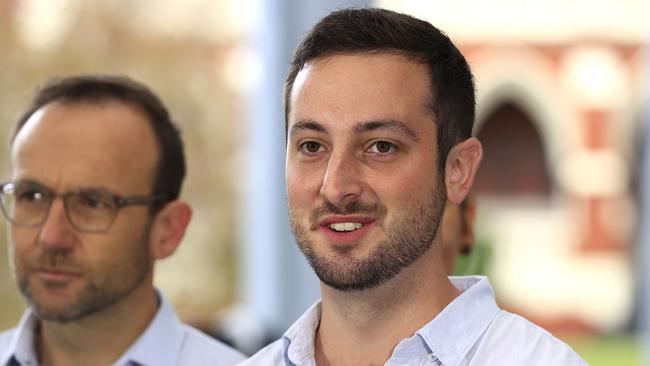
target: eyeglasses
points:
(88, 210)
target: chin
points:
(57, 312)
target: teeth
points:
(345, 226)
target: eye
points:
(94, 200)
(30, 194)
(310, 147)
(382, 147)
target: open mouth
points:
(345, 226)
(345, 231)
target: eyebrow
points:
(388, 124)
(307, 125)
(384, 124)
(31, 182)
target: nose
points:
(56, 232)
(342, 183)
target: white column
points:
(644, 263)
(277, 284)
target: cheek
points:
(21, 243)
(404, 191)
(302, 186)
(20, 251)
(107, 257)
(420, 178)
(297, 204)
(401, 189)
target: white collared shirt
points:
(470, 331)
(165, 342)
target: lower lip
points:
(56, 276)
(345, 238)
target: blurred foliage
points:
(477, 262)
(608, 351)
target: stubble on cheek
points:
(19, 266)
(22, 256)
(39, 293)
(408, 235)
(97, 287)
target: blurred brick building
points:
(562, 87)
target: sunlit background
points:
(563, 95)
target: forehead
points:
(81, 144)
(361, 87)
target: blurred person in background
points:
(379, 113)
(93, 202)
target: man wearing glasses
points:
(93, 202)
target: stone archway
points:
(515, 161)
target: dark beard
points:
(95, 297)
(407, 240)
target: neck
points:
(93, 340)
(363, 327)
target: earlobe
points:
(462, 163)
(169, 228)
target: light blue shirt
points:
(470, 331)
(165, 342)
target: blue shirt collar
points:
(449, 336)
(159, 344)
(21, 346)
(298, 340)
(452, 334)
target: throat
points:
(366, 326)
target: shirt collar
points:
(159, 344)
(451, 335)
(21, 346)
(298, 340)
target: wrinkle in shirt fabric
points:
(471, 331)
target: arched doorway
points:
(514, 159)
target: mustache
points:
(352, 208)
(57, 259)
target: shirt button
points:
(431, 358)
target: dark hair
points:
(97, 89)
(372, 30)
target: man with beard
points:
(379, 112)
(93, 202)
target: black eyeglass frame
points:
(118, 201)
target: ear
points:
(168, 228)
(460, 169)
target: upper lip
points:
(329, 220)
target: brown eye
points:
(382, 147)
(30, 193)
(93, 200)
(310, 147)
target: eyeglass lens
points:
(29, 205)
